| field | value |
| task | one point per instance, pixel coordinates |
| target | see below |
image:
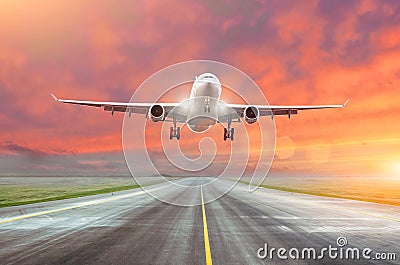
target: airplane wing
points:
(174, 108)
(130, 107)
(272, 110)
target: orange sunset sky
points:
(298, 52)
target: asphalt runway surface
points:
(131, 227)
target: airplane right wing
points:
(272, 110)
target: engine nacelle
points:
(157, 113)
(251, 114)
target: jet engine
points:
(251, 114)
(157, 113)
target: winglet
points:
(55, 98)
(344, 104)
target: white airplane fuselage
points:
(204, 98)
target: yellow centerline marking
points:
(206, 241)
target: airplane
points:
(203, 109)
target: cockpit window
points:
(208, 76)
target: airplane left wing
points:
(130, 107)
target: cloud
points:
(21, 160)
(15, 148)
(298, 52)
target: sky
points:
(298, 52)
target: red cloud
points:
(298, 53)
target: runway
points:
(132, 227)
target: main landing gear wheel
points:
(229, 133)
(175, 132)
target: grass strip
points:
(70, 195)
(340, 196)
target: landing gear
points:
(229, 133)
(175, 132)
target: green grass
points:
(339, 194)
(12, 195)
(316, 193)
(26, 190)
(369, 189)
